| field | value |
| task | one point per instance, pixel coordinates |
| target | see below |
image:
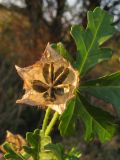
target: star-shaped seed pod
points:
(50, 82)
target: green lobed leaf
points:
(45, 140)
(57, 150)
(68, 119)
(45, 153)
(59, 47)
(33, 148)
(88, 40)
(100, 24)
(39, 147)
(97, 122)
(106, 88)
(37, 141)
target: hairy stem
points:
(51, 124)
(45, 121)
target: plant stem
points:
(52, 123)
(45, 121)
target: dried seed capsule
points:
(50, 82)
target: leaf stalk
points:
(45, 121)
(51, 124)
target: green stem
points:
(51, 124)
(45, 121)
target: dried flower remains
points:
(50, 82)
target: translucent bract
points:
(50, 82)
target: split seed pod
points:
(50, 82)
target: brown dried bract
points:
(50, 82)
(17, 142)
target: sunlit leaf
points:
(97, 122)
(87, 40)
(106, 88)
(59, 47)
(33, 141)
(68, 119)
(37, 141)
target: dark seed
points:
(48, 98)
(61, 78)
(46, 72)
(59, 71)
(51, 93)
(51, 72)
(39, 86)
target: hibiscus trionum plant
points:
(56, 84)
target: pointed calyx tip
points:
(17, 68)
